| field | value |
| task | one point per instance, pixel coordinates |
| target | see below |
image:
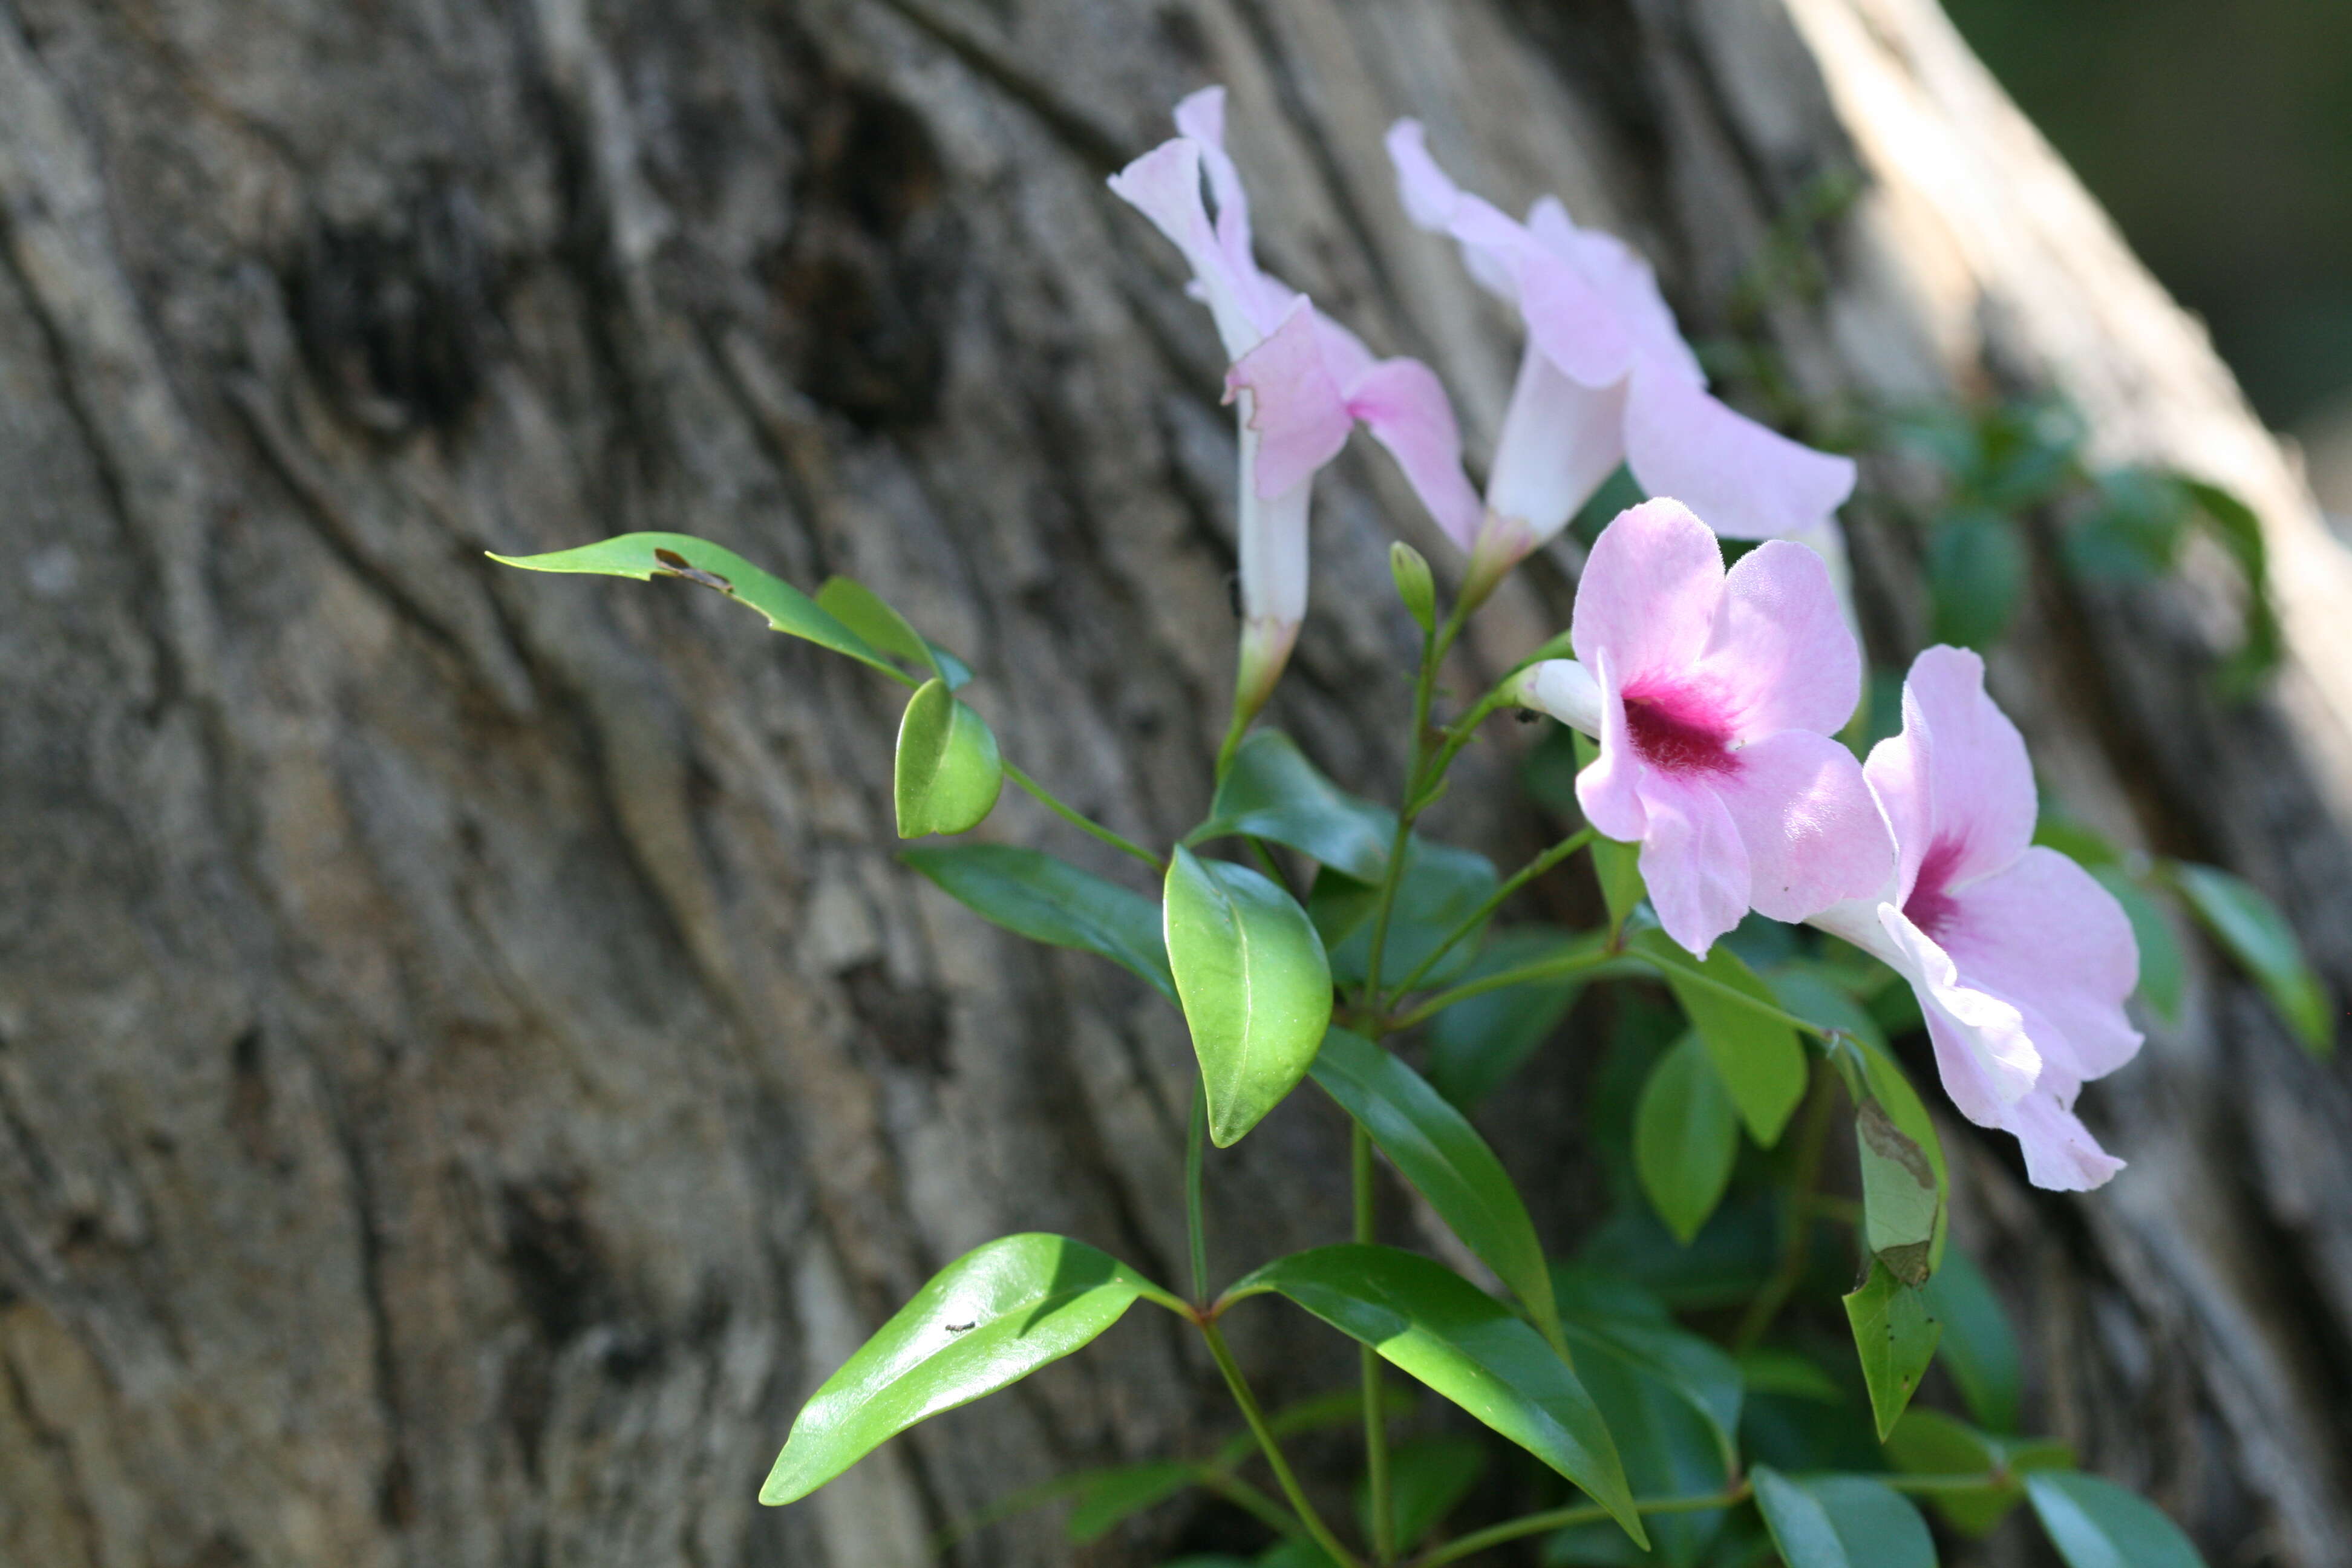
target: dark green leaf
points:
(1438, 1152)
(1254, 981)
(989, 1319)
(1978, 1348)
(1842, 1521)
(2136, 530)
(1930, 1443)
(1319, 1413)
(1273, 792)
(1435, 1326)
(1768, 1370)
(2163, 973)
(2096, 1524)
(947, 774)
(1442, 887)
(864, 611)
(1729, 1260)
(1669, 1445)
(1976, 572)
(1901, 1199)
(1758, 1055)
(2240, 532)
(1695, 1372)
(1476, 1044)
(2251, 927)
(1895, 1337)
(1053, 901)
(1685, 1137)
(1549, 774)
(1112, 1497)
(646, 556)
(1428, 1478)
(1812, 992)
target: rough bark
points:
(468, 1061)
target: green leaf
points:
(2096, 1524)
(1669, 1446)
(1930, 1443)
(864, 612)
(1842, 1521)
(1769, 1370)
(1885, 1081)
(1053, 901)
(1695, 1372)
(2251, 927)
(1976, 573)
(1685, 1137)
(1978, 1348)
(2078, 841)
(1900, 1198)
(1895, 1336)
(1428, 1478)
(947, 774)
(1438, 1152)
(1273, 792)
(1440, 887)
(1433, 1325)
(2163, 973)
(1255, 985)
(2240, 532)
(1112, 1497)
(1760, 1061)
(1475, 1045)
(1342, 1407)
(646, 556)
(989, 1319)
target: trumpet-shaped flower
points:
(1301, 381)
(1607, 378)
(2020, 959)
(1713, 696)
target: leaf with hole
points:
(1842, 1521)
(986, 1321)
(1895, 1337)
(1053, 901)
(1255, 985)
(1686, 1137)
(948, 773)
(1435, 1326)
(1758, 1055)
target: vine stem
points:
(1195, 1143)
(1272, 1446)
(1520, 878)
(1376, 1424)
(1081, 821)
(1583, 1513)
(1600, 959)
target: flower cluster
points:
(1716, 696)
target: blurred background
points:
(2219, 138)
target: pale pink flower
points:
(1301, 381)
(1606, 378)
(2020, 959)
(1714, 697)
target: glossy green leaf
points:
(988, 1319)
(1435, 1326)
(947, 774)
(1476, 1044)
(1436, 1150)
(1842, 1521)
(1895, 1337)
(2097, 1524)
(646, 556)
(1255, 985)
(1112, 1497)
(1976, 573)
(1978, 1348)
(1442, 887)
(1900, 1199)
(1669, 1447)
(1428, 1478)
(1695, 1372)
(1930, 1443)
(864, 612)
(1686, 1137)
(2163, 973)
(1766, 1369)
(1053, 901)
(1273, 792)
(2251, 927)
(1759, 1056)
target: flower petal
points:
(1812, 834)
(1782, 657)
(1746, 481)
(1560, 441)
(1619, 274)
(1957, 782)
(1404, 405)
(1291, 402)
(1649, 595)
(2045, 936)
(1608, 789)
(1434, 202)
(1566, 689)
(1164, 185)
(1982, 1050)
(1692, 860)
(2060, 1155)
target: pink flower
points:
(1606, 378)
(1713, 696)
(1302, 382)
(2021, 961)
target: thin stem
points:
(1562, 1518)
(1195, 1141)
(1464, 729)
(1231, 743)
(1521, 879)
(1598, 958)
(1797, 1246)
(1705, 982)
(1082, 822)
(1248, 1499)
(1272, 1446)
(1376, 1424)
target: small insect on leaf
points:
(960, 1328)
(677, 565)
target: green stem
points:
(1231, 743)
(1195, 1141)
(1272, 1446)
(1082, 822)
(1464, 729)
(1526, 874)
(1731, 992)
(1376, 1424)
(1795, 1247)
(1562, 1518)
(1599, 958)
(1248, 1499)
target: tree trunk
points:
(469, 1062)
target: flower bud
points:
(1413, 583)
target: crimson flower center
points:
(1679, 732)
(1931, 905)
